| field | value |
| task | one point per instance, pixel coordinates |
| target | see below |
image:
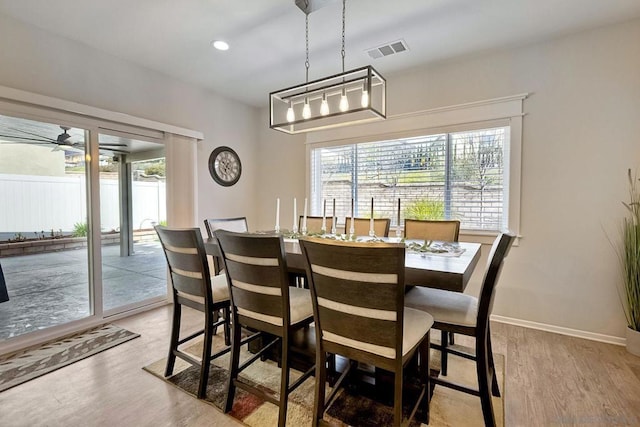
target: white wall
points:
(580, 135)
(37, 61)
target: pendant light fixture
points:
(351, 97)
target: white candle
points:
(352, 228)
(304, 217)
(398, 230)
(277, 215)
(295, 216)
(323, 229)
(333, 222)
(371, 232)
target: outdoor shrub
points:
(80, 229)
(425, 209)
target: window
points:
(457, 175)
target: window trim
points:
(506, 111)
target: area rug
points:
(20, 367)
(448, 407)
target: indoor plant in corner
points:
(629, 254)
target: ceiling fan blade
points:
(112, 144)
(113, 150)
(43, 138)
(27, 140)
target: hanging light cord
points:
(344, 7)
(306, 62)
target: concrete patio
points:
(50, 289)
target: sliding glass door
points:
(62, 261)
(43, 226)
(132, 201)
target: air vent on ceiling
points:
(388, 49)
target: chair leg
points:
(234, 361)
(216, 317)
(451, 338)
(227, 328)
(397, 399)
(444, 359)
(482, 368)
(173, 341)
(284, 383)
(495, 390)
(321, 379)
(424, 375)
(206, 357)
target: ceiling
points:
(267, 37)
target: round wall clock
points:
(224, 166)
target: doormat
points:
(20, 367)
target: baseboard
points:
(609, 339)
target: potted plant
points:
(629, 254)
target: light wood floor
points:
(551, 380)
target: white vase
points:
(633, 341)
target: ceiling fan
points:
(62, 140)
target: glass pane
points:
(444, 176)
(477, 178)
(43, 226)
(133, 200)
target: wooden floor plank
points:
(551, 380)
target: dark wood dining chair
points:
(468, 315)
(358, 301)
(193, 287)
(262, 301)
(443, 230)
(314, 224)
(446, 231)
(238, 225)
(361, 226)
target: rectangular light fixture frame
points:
(352, 83)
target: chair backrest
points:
(187, 261)
(230, 224)
(258, 281)
(361, 226)
(314, 224)
(495, 261)
(446, 231)
(358, 298)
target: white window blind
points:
(459, 175)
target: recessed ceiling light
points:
(220, 45)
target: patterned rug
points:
(20, 367)
(448, 407)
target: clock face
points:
(224, 166)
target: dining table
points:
(443, 270)
(449, 270)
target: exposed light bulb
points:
(306, 110)
(291, 116)
(344, 102)
(364, 101)
(324, 106)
